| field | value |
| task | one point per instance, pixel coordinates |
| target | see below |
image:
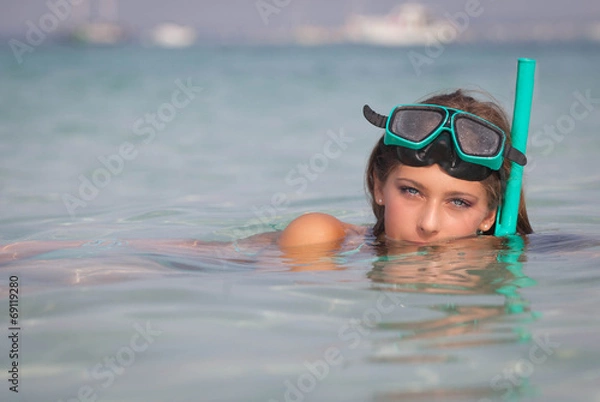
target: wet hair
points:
(384, 159)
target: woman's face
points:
(426, 205)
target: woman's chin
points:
(421, 242)
(406, 242)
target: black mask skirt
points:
(441, 151)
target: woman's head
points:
(426, 204)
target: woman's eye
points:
(459, 202)
(409, 190)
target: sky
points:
(237, 18)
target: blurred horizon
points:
(243, 20)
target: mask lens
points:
(477, 139)
(415, 124)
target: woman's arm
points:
(308, 238)
(29, 248)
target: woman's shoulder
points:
(316, 228)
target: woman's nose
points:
(428, 222)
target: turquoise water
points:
(241, 151)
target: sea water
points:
(110, 145)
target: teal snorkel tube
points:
(506, 218)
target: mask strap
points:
(515, 155)
(373, 117)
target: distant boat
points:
(408, 24)
(173, 35)
(98, 33)
(103, 29)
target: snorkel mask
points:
(464, 145)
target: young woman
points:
(438, 173)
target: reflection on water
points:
(442, 322)
(485, 266)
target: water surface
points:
(472, 321)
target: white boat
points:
(102, 29)
(409, 24)
(172, 35)
(98, 33)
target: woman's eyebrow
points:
(410, 181)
